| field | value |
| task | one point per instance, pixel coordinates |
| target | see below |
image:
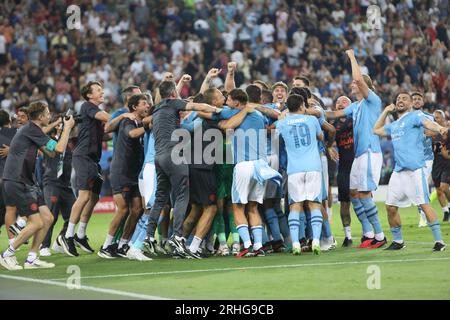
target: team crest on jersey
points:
(34, 206)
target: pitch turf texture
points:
(413, 273)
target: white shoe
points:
(38, 264)
(136, 254)
(223, 251)
(324, 245)
(57, 247)
(423, 223)
(10, 263)
(45, 252)
(333, 244)
(235, 249)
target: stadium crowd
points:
(43, 63)
(137, 41)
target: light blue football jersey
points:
(299, 133)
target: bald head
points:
(343, 102)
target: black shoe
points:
(203, 254)
(278, 246)
(259, 253)
(15, 229)
(177, 245)
(68, 245)
(267, 248)
(83, 243)
(153, 248)
(438, 246)
(109, 253)
(193, 255)
(149, 246)
(396, 246)
(347, 242)
(123, 251)
(446, 216)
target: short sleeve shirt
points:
(20, 164)
(91, 130)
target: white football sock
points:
(82, 230)
(70, 230)
(108, 241)
(122, 242)
(348, 232)
(195, 244)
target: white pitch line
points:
(256, 267)
(87, 288)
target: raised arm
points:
(214, 72)
(63, 140)
(52, 125)
(378, 129)
(168, 76)
(185, 79)
(229, 80)
(356, 74)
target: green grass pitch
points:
(345, 273)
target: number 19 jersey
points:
(300, 136)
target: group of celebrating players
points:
(265, 181)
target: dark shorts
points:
(127, 190)
(202, 186)
(440, 174)
(26, 198)
(87, 174)
(59, 199)
(343, 182)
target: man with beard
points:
(407, 183)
